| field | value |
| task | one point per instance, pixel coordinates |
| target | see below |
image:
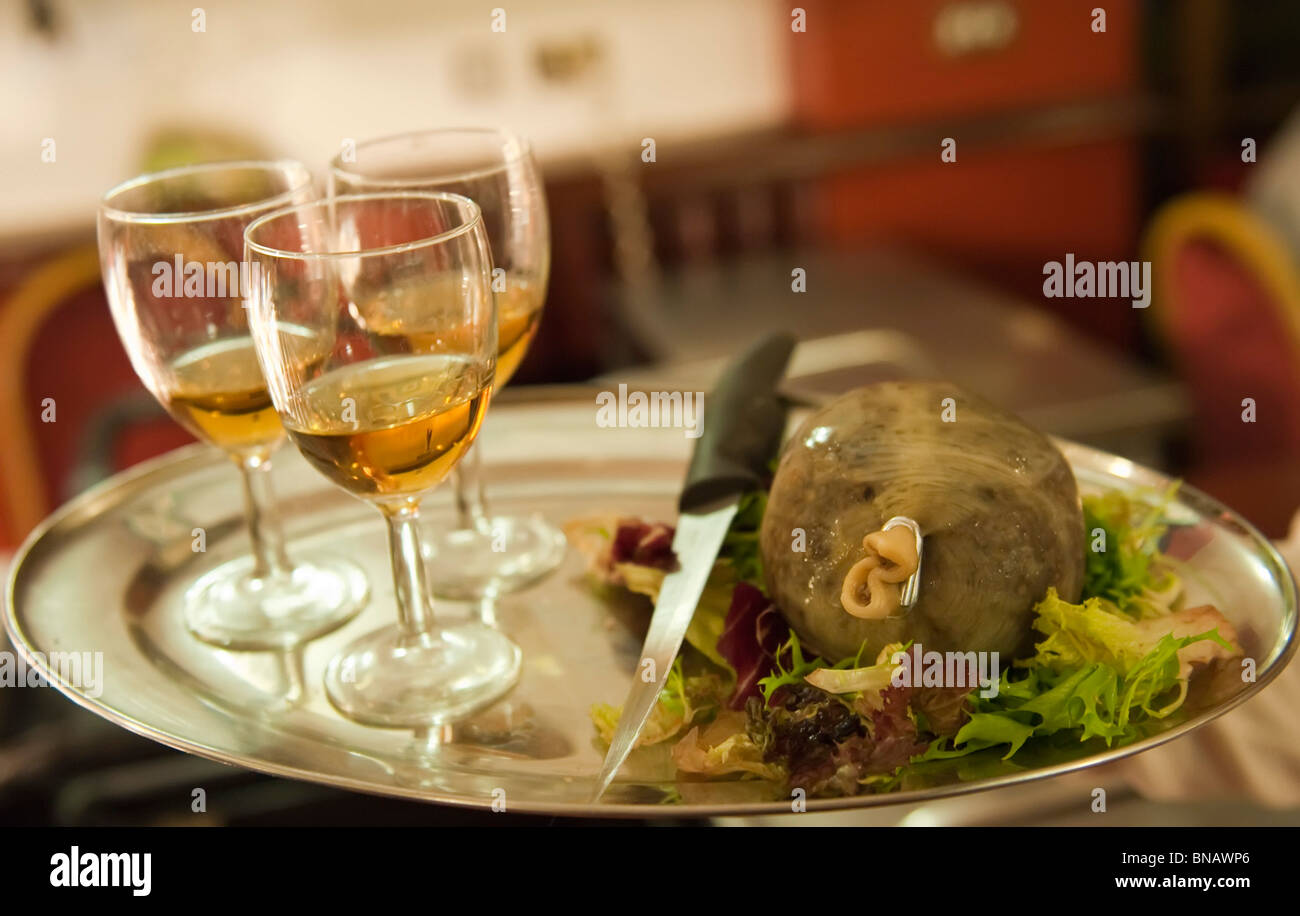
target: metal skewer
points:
(913, 584)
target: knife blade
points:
(744, 420)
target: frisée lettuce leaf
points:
(1095, 671)
(1123, 564)
(684, 701)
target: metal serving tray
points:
(106, 573)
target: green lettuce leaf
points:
(1081, 634)
(849, 677)
(1128, 572)
(685, 700)
(1095, 672)
(740, 545)
(710, 617)
(801, 667)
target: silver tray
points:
(105, 574)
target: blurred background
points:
(1165, 132)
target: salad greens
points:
(740, 545)
(739, 560)
(1091, 674)
(798, 668)
(845, 676)
(1086, 633)
(1103, 669)
(710, 614)
(684, 701)
(1122, 560)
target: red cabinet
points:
(1007, 80)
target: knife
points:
(744, 420)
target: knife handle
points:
(744, 420)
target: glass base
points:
(392, 681)
(231, 609)
(505, 554)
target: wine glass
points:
(171, 248)
(485, 555)
(384, 420)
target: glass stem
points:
(471, 502)
(293, 674)
(414, 606)
(269, 558)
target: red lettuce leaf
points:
(643, 543)
(753, 634)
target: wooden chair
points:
(1226, 305)
(57, 339)
(22, 479)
